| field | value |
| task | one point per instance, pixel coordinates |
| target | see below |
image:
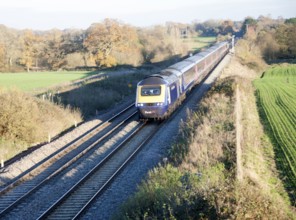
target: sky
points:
(63, 14)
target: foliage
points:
(25, 120)
(171, 194)
(276, 98)
(285, 37)
(291, 21)
(103, 44)
(160, 43)
(249, 54)
(215, 27)
(52, 51)
(103, 38)
(274, 38)
(29, 51)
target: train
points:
(158, 95)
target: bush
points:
(26, 120)
(171, 194)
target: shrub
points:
(26, 120)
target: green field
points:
(37, 80)
(277, 99)
(196, 43)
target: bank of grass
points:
(200, 181)
(26, 120)
(39, 80)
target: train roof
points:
(202, 55)
(168, 78)
(173, 72)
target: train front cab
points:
(151, 98)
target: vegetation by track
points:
(200, 179)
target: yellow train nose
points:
(146, 94)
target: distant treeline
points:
(110, 43)
(275, 37)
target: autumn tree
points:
(29, 51)
(52, 52)
(10, 47)
(2, 57)
(285, 36)
(227, 27)
(103, 38)
(268, 45)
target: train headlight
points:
(159, 104)
(140, 104)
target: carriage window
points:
(150, 91)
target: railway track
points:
(22, 187)
(77, 200)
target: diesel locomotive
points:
(159, 94)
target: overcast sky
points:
(62, 14)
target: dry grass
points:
(210, 138)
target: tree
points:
(285, 36)
(2, 57)
(29, 51)
(290, 21)
(227, 27)
(268, 45)
(249, 27)
(10, 47)
(103, 38)
(53, 53)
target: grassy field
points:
(277, 100)
(37, 80)
(196, 43)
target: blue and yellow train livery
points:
(159, 94)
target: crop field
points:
(38, 80)
(277, 99)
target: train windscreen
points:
(150, 91)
